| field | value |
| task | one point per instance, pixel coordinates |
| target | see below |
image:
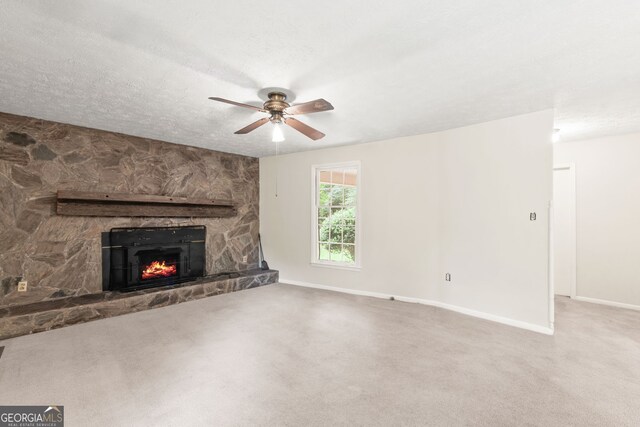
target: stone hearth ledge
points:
(43, 316)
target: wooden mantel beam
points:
(83, 203)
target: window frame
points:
(315, 198)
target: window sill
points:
(336, 266)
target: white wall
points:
(608, 216)
(456, 201)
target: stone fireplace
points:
(73, 262)
(138, 258)
(60, 256)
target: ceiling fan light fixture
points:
(277, 135)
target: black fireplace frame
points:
(123, 248)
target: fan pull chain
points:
(277, 164)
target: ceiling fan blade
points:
(303, 128)
(253, 126)
(238, 104)
(309, 107)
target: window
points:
(335, 215)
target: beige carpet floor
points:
(284, 355)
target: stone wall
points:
(60, 256)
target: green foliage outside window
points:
(336, 222)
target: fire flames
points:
(157, 270)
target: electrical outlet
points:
(22, 286)
(447, 277)
(244, 258)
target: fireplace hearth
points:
(138, 258)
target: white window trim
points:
(314, 216)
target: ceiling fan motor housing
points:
(275, 105)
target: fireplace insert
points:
(138, 258)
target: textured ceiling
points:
(390, 69)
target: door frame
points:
(571, 168)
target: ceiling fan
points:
(280, 111)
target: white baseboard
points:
(458, 309)
(607, 302)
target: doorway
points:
(564, 230)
